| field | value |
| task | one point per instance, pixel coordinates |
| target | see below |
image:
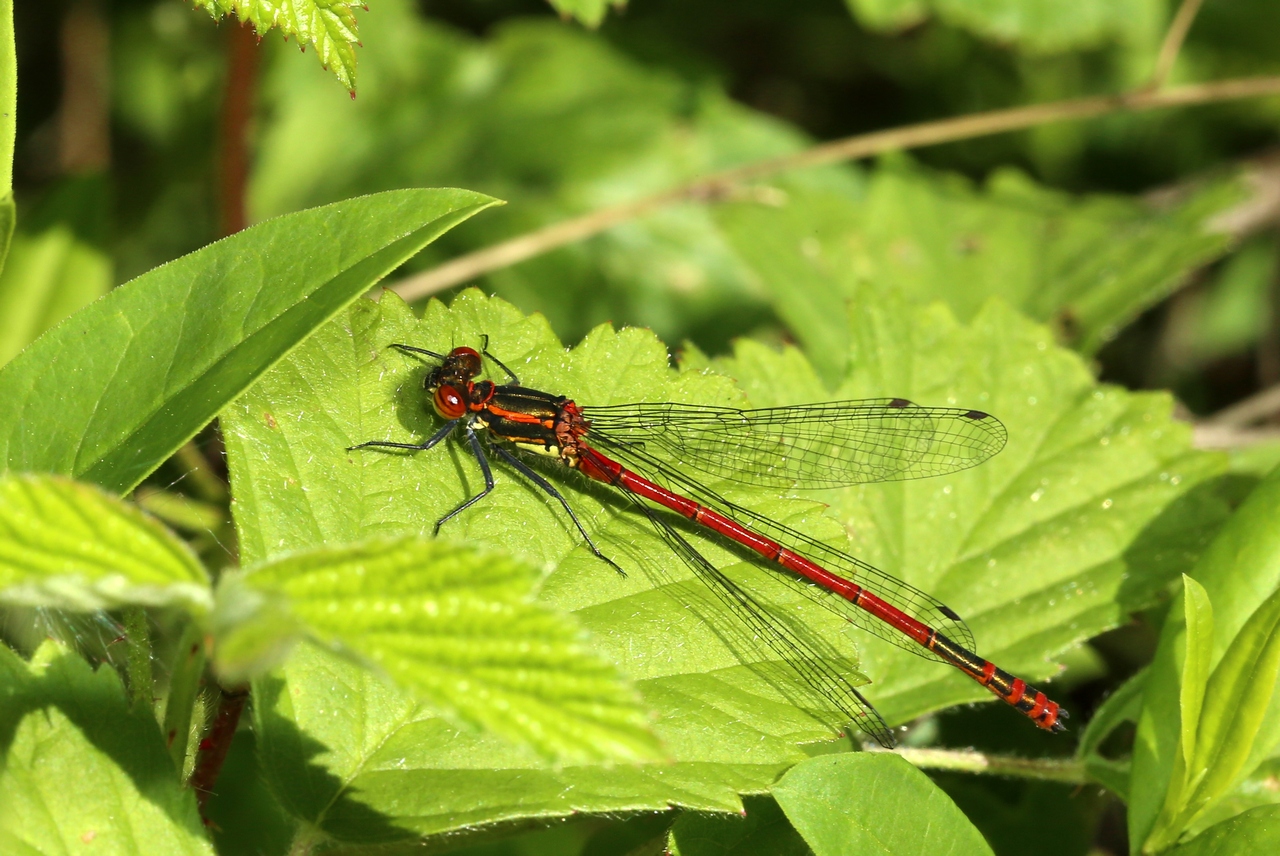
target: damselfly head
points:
(456, 368)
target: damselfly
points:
(807, 446)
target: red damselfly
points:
(806, 446)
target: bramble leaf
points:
(1040, 548)
(329, 26)
(68, 545)
(455, 626)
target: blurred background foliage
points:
(1148, 240)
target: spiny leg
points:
(484, 349)
(435, 438)
(478, 452)
(526, 471)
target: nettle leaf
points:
(83, 770)
(1039, 549)
(68, 545)
(1094, 507)
(329, 26)
(1239, 571)
(110, 393)
(873, 803)
(457, 627)
(1088, 264)
(1043, 26)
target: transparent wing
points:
(910, 600)
(808, 446)
(810, 672)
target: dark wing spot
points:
(899, 402)
(949, 612)
(977, 415)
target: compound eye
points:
(467, 360)
(450, 403)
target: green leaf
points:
(68, 545)
(1046, 546)
(873, 803)
(1235, 703)
(589, 12)
(1255, 831)
(762, 828)
(111, 392)
(1198, 613)
(1041, 26)
(1096, 504)
(558, 122)
(457, 627)
(8, 131)
(1239, 571)
(82, 771)
(46, 278)
(1089, 264)
(328, 26)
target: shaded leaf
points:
(1046, 26)
(68, 545)
(82, 770)
(555, 121)
(873, 803)
(8, 127)
(46, 278)
(761, 828)
(589, 12)
(111, 392)
(1089, 264)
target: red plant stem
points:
(213, 749)
(233, 178)
(234, 130)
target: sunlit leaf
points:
(1039, 548)
(1239, 571)
(328, 26)
(456, 627)
(70, 546)
(115, 389)
(1254, 831)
